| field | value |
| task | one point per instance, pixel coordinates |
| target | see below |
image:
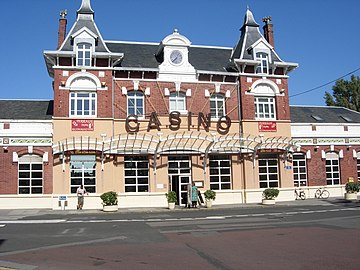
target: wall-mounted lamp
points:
(62, 83)
(103, 84)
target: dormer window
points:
(263, 67)
(83, 54)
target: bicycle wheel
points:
(302, 195)
(317, 194)
(325, 194)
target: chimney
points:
(62, 28)
(268, 30)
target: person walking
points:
(81, 191)
(194, 195)
(188, 198)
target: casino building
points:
(144, 118)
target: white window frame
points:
(30, 160)
(88, 159)
(74, 100)
(176, 98)
(265, 108)
(84, 48)
(217, 106)
(263, 67)
(299, 169)
(134, 172)
(220, 172)
(269, 171)
(132, 98)
(332, 166)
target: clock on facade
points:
(176, 57)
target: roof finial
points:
(85, 8)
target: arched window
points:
(332, 169)
(299, 169)
(135, 103)
(265, 107)
(83, 54)
(30, 174)
(217, 105)
(177, 102)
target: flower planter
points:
(208, 203)
(110, 208)
(351, 196)
(268, 202)
(171, 205)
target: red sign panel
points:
(267, 126)
(82, 125)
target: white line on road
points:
(2, 225)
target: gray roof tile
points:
(26, 109)
(307, 114)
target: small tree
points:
(345, 94)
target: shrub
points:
(352, 187)
(171, 197)
(270, 193)
(109, 198)
(210, 195)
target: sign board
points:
(82, 125)
(267, 126)
(62, 198)
(288, 167)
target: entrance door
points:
(179, 170)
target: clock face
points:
(176, 57)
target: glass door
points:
(179, 170)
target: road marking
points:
(2, 225)
(174, 219)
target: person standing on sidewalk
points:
(194, 195)
(81, 191)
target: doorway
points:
(179, 171)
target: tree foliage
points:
(345, 94)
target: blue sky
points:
(322, 36)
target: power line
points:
(315, 88)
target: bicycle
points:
(322, 193)
(300, 194)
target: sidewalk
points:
(18, 214)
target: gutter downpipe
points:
(241, 132)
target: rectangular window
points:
(83, 172)
(217, 105)
(220, 172)
(177, 102)
(263, 67)
(268, 171)
(136, 171)
(82, 104)
(135, 102)
(299, 169)
(332, 169)
(30, 175)
(84, 54)
(358, 168)
(265, 108)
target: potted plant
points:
(352, 188)
(269, 196)
(172, 199)
(210, 196)
(109, 201)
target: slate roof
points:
(250, 34)
(26, 109)
(308, 114)
(142, 55)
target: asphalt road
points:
(276, 237)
